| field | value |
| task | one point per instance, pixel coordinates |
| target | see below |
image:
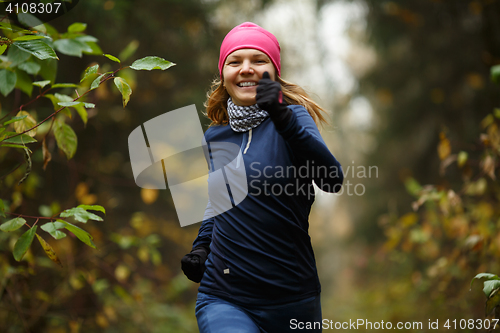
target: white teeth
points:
(246, 84)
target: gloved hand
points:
(193, 263)
(270, 98)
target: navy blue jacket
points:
(260, 250)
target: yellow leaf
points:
(49, 251)
(25, 124)
(444, 147)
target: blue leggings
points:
(216, 315)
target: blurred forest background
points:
(414, 115)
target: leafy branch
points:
(28, 59)
(79, 214)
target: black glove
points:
(193, 263)
(270, 98)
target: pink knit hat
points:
(249, 35)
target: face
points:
(241, 74)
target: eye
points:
(232, 63)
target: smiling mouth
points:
(246, 84)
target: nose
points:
(246, 67)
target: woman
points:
(255, 261)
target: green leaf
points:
(492, 302)
(13, 224)
(49, 251)
(41, 84)
(96, 82)
(86, 39)
(29, 37)
(82, 112)
(66, 139)
(72, 103)
(151, 62)
(90, 71)
(8, 26)
(30, 67)
(93, 207)
(53, 99)
(63, 98)
(39, 49)
(495, 74)
(31, 21)
(57, 98)
(487, 276)
(13, 120)
(94, 47)
(48, 70)
(81, 234)
(71, 47)
(80, 214)
(23, 243)
(53, 229)
(7, 81)
(109, 56)
(20, 139)
(16, 55)
(11, 27)
(124, 88)
(5, 26)
(489, 286)
(24, 82)
(3, 48)
(14, 146)
(77, 27)
(65, 85)
(50, 30)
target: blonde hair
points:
(293, 94)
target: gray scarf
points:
(244, 118)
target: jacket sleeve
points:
(205, 233)
(306, 143)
